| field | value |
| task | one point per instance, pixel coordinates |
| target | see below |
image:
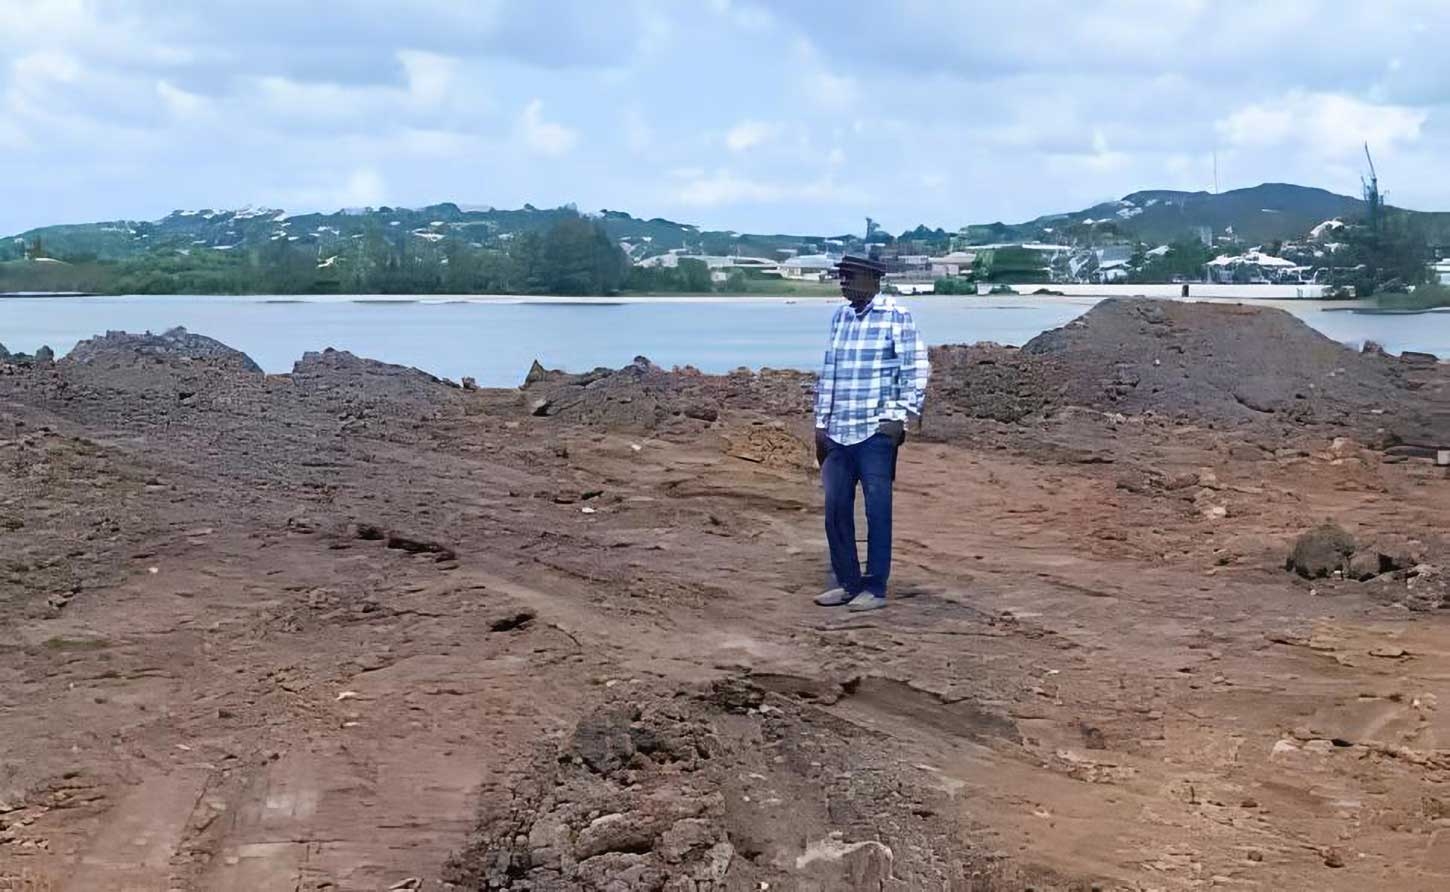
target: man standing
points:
(872, 380)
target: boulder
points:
(1321, 551)
(44, 356)
(603, 740)
(615, 833)
(847, 865)
(537, 374)
(1416, 358)
(1365, 565)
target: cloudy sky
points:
(786, 116)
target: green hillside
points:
(446, 248)
(332, 233)
(1258, 215)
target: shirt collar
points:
(879, 302)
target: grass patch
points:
(1425, 297)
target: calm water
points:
(495, 340)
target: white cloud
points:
(430, 76)
(545, 137)
(395, 102)
(724, 187)
(749, 134)
(1324, 125)
(363, 187)
(819, 86)
(745, 16)
(179, 101)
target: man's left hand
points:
(895, 431)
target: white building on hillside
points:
(954, 264)
(810, 267)
(1253, 267)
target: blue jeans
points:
(869, 463)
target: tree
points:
(1183, 259)
(1385, 252)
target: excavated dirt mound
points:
(360, 391)
(177, 343)
(644, 397)
(1197, 362)
(687, 792)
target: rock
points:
(1333, 858)
(549, 841)
(470, 383)
(1367, 564)
(702, 412)
(537, 374)
(1416, 358)
(843, 865)
(1321, 551)
(615, 833)
(603, 739)
(516, 619)
(717, 864)
(1373, 348)
(1181, 481)
(1428, 588)
(1389, 651)
(414, 545)
(685, 836)
(44, 356)
(620, 871)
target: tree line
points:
(574, 256)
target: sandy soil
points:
(356, 628)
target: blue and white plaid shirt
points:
(875, 370)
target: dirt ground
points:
(357, 628)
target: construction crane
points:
(1372, 197)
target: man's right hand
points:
(822, 447)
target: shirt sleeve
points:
(915, 367)
(826, 383)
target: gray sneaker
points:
(836, 597)
(866, 601)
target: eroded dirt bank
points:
(358, 628)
